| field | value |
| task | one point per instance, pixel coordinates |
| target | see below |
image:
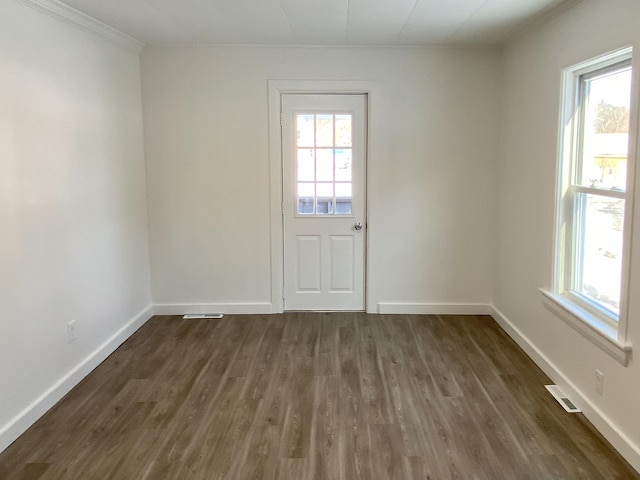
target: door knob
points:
(358, 226)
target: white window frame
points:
(599, 325)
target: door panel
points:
(324, 192)
(342, 263)
(309, 267)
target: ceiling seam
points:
(286, 17)
(480, 7)
(406, 22)
(183, 28)
(346, 29)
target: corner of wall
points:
(21, 422)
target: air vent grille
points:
(562, 399)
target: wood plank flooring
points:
(314, 396)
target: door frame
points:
(277, 88)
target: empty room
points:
(170, 307)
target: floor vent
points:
(562, 399)
(198, 316)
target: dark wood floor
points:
(314, 396)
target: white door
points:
(324, 154)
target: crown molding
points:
(73, 17)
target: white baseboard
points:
(27, 417)
(406, 308)
(227, 308)
(600, 421)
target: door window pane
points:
(324, 165)
(306, 189)
(306, 196)
(343, 130)
(343, 165)
(305, 165)
(343, 206)
(324, 130)
(325, 190)
(305, 124)
(343, 198)
(343, 190)
(325, 197)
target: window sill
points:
(587, 324)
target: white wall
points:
(431, 169)
(73, 223)
(526, 185)
(72, 191)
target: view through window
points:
(599, 184)
(324, 153)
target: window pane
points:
(306, 190)
(343, 198)
(343, 130)
(343, 206)
(599, 253)
(343, 190)
(304, 126)
(324, 130)
(306, 194)
(325, 189)
(324, 165)
(325, 197)
(605, 140)
(343, 165)
(305, 165)
(325, 205)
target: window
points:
(324, 164)
(589, 283)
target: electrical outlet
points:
(71, 330)
(599, 382)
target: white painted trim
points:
(407, 308)
(75, 18)
(565, 239)
(620, 441)
(225, 308)
(275, 197)
(27, 417)
(277, 88)
(588, 325)
(320, 46)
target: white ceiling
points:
(318, 22)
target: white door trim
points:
(277, 88)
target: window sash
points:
(582, 96)
(577, 244)
(577, 196)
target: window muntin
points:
(324, 164)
